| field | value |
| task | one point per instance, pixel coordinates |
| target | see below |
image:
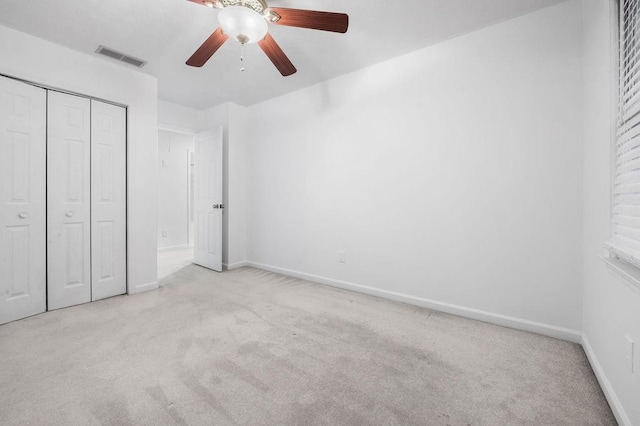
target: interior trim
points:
(614, 402)
(463, 311)
(142, 287)
(57, 89)
(629, 273)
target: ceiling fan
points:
(247, 22)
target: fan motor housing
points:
(257, 5)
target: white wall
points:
(36, 60)
(180, 118)
(173, 188)
(450, 175)
(611, 304)
(236, 200)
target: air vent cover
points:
(120, 56)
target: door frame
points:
(190, 157)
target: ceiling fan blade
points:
(312, 19)
(208, 48)
(277, 56)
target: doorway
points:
(175, 201)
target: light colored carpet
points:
(253, 347)
(171, 260)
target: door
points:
(22, 200)
(68, 200)
(208, 200)
(108, 197)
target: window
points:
(625, 230)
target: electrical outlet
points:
(342, 256)
(164, 233)
(629, 357)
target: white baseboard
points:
(235, 265)
(609, 393)
(476, 314)
(143, 287)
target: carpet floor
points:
(251, 347)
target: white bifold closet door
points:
(108, 200)
(68, 200)
(22, 200)
(85, 199)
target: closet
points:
(63, 200)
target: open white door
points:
(68, 201)
(208, 200)
(108, 198)
(22, 200)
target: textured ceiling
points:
(166, 32)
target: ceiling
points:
(166, 32)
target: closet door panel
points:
(68, 200)
(108, 197)
(22, 200)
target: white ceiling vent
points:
(120, 56)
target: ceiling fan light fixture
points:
(247, 21)
(242, 24)
(271, 16)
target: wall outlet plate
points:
(342, 256)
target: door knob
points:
(23, 215)
(69, 214)
(216, 206)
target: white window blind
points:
(625, 235)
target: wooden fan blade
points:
(277, 56)
(208, 48)
(312, 19)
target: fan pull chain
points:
(241, 57)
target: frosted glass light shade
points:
(242, 24)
